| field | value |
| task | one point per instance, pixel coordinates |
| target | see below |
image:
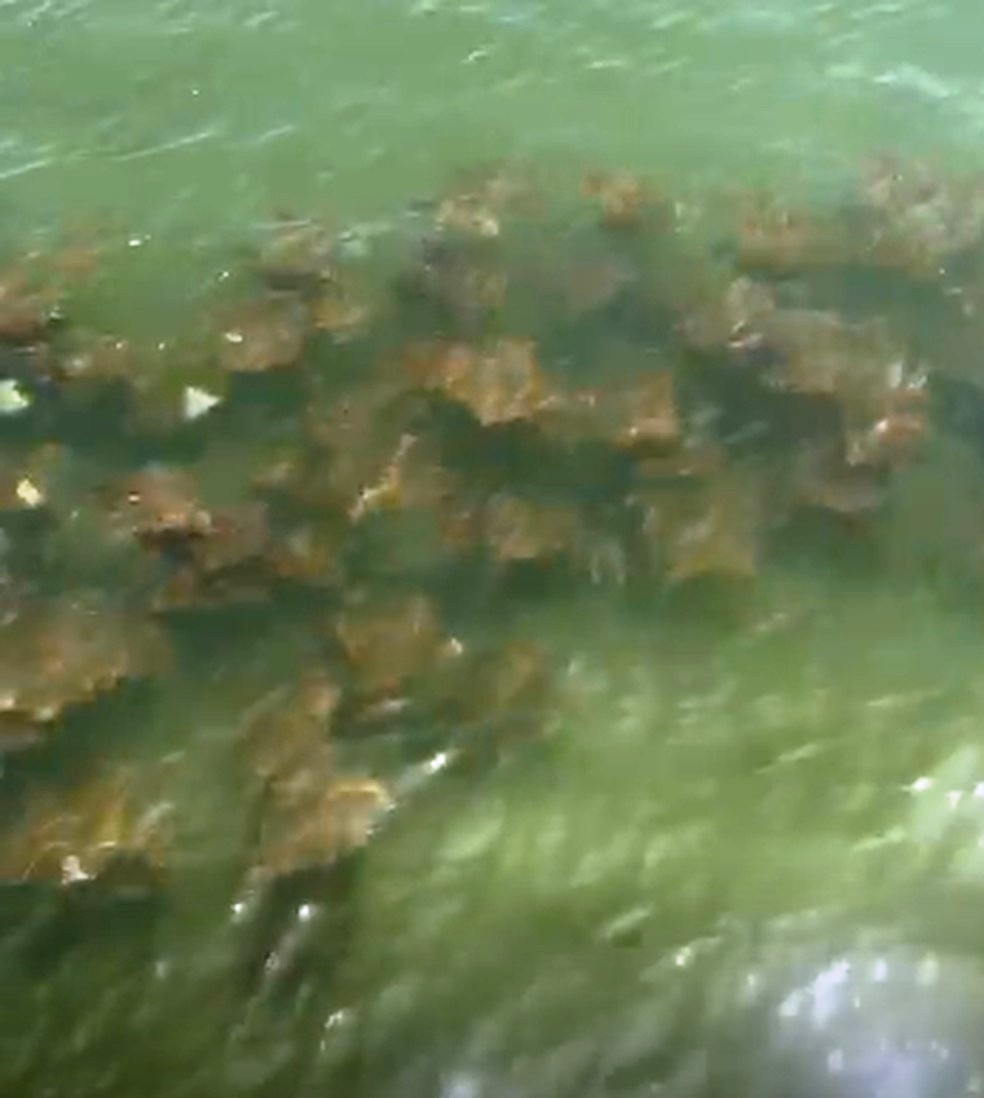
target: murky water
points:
(741, 851)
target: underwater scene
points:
(491, 549)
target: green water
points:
(744, 861)
(179, 128)
(180, 119)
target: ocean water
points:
(189, 120)
(740, 859)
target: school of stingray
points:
(357, 497)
